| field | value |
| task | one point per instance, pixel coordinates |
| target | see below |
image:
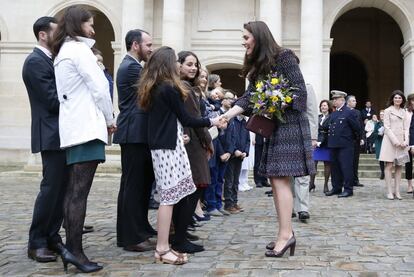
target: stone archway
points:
(366, 58)
(397, 11)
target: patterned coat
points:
(288, 152)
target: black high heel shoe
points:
(312, 187)
(291, 243)
(69, 258)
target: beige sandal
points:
(160, 260)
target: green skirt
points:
(93, 150)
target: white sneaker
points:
(243, 187)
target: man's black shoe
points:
(269, 192)
(345, 194)
(293, 214)
(303, 216)
(332, 192)
(188, 247)
(358, 185)
(153, 205)
(41, 255)
(259, 185)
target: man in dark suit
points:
(39, 79)
(367, 112)
(133, 228)
(342, 129)
(359, 138)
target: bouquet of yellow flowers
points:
(271, 95)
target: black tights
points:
(326, 173)
(182, 215)
(80, 182)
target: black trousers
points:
(48, 208)
(409, 168)
(231, 181)
(258, 151)
(356, 161)
(342, 169)
(182, 214)
(134, 194)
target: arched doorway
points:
(230, 79)
(104, 36)
(366, 57)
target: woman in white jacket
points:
(85, 119)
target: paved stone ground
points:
(365, 235)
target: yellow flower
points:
(259, 85)
(272, 109)
(274, 81)
(256, 106)
(274, 98)
(288, 99)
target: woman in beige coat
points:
(395, 142)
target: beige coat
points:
(397, 125)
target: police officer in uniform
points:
(342, 129)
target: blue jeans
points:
(214, 191)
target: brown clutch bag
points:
(261, 125)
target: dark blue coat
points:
(411, 134)
(240, 135)
(343, 128)
(132, 121)
(39, 78)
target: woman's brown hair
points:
(393, 94)
(70, 25)
(330, 109)
(264, 54)
(160, 68)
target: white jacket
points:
(83, 90)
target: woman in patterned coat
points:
(288, 152)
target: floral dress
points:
(173, 172)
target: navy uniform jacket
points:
(39, 78)
(343, 127)
(132, 121)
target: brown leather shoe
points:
(141, 247)
(41, 255)
(239, 208)
(232, 210)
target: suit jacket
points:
(343, 128)
(364, 114)
(411, 130)
(361, 134)
(39, 79)
(323, 130)
(132, 121)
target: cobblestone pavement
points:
(365, 235)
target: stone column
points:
(133, 13)
(173, 24)
(407, 50)
(311, 44)
(271, 14)
(326, 69)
